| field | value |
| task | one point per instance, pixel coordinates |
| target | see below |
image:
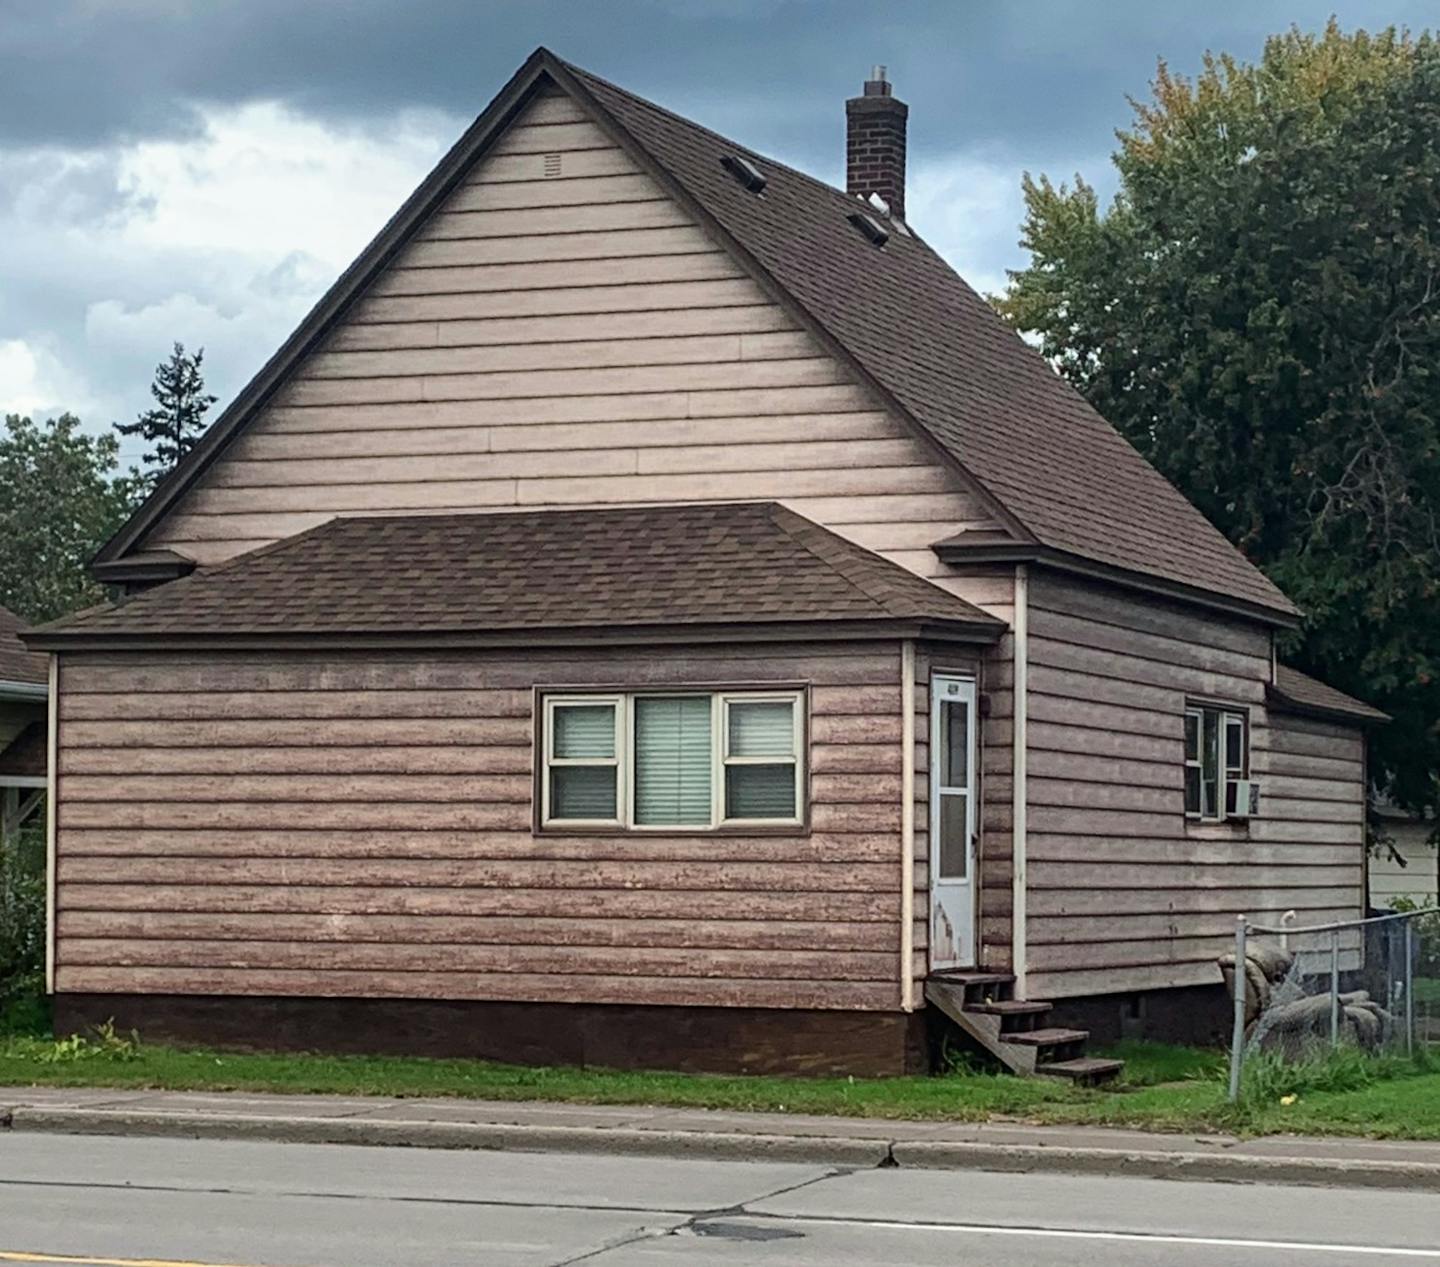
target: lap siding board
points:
(360, 825)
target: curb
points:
(814, 1150)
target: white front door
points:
(952, 822)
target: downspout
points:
(51, 816)
(1019, 800)
(907, 825)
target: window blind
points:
(672, 761)
(764, 728)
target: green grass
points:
(1164, 1088)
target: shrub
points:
(101, 1043)
(22, 919)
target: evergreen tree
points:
(1258, 312)
(177, 420)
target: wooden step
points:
(1089, 1071)
(1011, 1007)
(966, 976)
(1047, 1037)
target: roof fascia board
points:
(1047, 556)
(446, 174)
(777, 292)
(640, 635)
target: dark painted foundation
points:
(1199, 1016)
(687, 1039)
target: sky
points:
(201, 170)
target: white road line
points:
(1080, 1234)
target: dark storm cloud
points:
(1043, 76)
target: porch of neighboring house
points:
(24, 691)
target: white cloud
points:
(223, 240)
(969, 207)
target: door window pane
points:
(955, 743)
(760, 791)
(672, 761)
(954, 838)
(583, 731)
(582, 791)
(762, 728)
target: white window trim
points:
(550, 760)
(721, 760)
(1226, 774)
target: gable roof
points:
(663, 568)
(27, 668)
(1060, 477)
(1296, 692)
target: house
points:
(653, 612)
(24, 690)
(1406, 866)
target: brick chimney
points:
(875, 143)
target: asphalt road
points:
(183, 1203)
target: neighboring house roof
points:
(17, 665)
(26, 756)
(1059, 475)
(1297, 692)
(657, 568)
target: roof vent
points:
(870, 228)
(750, 176)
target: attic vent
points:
(552, 164)
(870, 228)
(745, 172)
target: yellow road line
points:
(87, 1260)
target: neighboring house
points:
(654, 612)
(24, 691)
(1407, 865)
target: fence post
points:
(1335, 988)
(1239, 981)
(1409, 987)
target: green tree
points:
(1258, 311)
(60, 500)
(177, 420)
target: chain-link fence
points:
(1372, 984)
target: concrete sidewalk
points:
(659, 1132)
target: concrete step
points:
(1047, 1037)
(1089, 1071)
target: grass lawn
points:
(1165, 1088)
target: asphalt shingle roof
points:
(992, 401)
(16, 663)
(1301, 691)
(750, 563)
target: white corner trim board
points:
(907, 825)
(51, 775)
(1019, 825)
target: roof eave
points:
(1362, 716)
(979, 632)
(957, 551)
(159, 566)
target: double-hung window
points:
(689, 760)
(1216, 760)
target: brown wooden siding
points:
(570, 340)
(1124, 894)
(361, 826)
